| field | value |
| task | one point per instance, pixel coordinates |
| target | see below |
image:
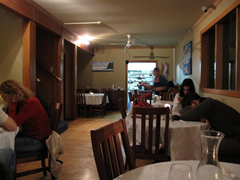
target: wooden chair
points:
(147, 99)
(144, 92)
(100, 108)
(81, 102)
(173, 90)
(101, 90)
(122, 108)
(108, 144)
(167, 96)
(130, 96)
(54, 114)
(135, 91)
(150, 132)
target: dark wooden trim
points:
(204, 60)
(58, 68)
(44, 20)
(235, 94)
(29, 55)
(32, 11)
(18, 7)
(237, 75)
(219, 55)
(229, 9)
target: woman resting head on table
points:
(186, 88)
(27, 112)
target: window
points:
(220, 56)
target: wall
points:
(195, 37)
(11, 47)
(84, 69)
(119, 57)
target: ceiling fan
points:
(129, 43)
(151, 56)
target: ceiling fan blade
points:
(139, 45)
(140, 56)
(164, 57)
(115, 44)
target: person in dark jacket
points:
(220, 117)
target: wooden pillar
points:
(237, 75)
(219, 56)
(29, 54)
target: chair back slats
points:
(121, 108)
(167, 96)
(144, 92)
(151, 132)
(102, 90)
(149, 97)
(135, 91)
(158, 131)
(81, 99)
(143, 141)
(107, 142)
(54, 114)
(107, 159)
(113, 157)
(119, 153)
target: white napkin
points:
(227, 173)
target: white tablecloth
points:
(160, 171)
(95, 99)
(7, 138)
(184, 142)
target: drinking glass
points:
(180, 171)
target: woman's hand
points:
(15, 98)
(180, 99)
(205, 120)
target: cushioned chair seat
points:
(25, 154)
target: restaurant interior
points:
(66, 49)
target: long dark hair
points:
(187, 82)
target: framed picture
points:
(102, 66)
(187, 59)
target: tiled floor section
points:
(78, 158)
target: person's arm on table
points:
(6, 122)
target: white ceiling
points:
(159, 23)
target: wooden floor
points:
(79, 163)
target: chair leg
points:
(44, 166)
(52, 177)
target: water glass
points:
(180, 171)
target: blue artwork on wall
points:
(187, 59)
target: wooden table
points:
(94, 99)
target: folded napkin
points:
(227, 173)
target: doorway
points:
(139, 72)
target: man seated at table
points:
(7, 155)
(219, 117)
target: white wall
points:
(10, 47)
(196, 61)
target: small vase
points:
(209, 167)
